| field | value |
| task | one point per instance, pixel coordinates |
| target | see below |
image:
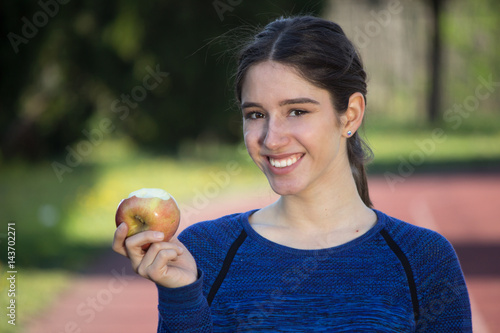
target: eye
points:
(297, 113)
(254, 115)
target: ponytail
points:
(359, 153)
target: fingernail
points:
(158, 235)
(121, 226)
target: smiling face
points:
(291, 130)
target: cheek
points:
(251, 130)
(325, 138)
(313, 133)
(251, 139)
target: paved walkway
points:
(464, 208)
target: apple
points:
(149, 209)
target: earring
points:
(349, 133)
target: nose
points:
(275, 134)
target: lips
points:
(284, 161)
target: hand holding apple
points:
(149, 209)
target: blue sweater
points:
(397, 277)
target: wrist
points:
(185, 296)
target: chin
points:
(284, 188)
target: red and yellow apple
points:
(149, 209)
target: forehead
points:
(270, 80)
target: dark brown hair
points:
(320, 51)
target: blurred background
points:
(99, 99)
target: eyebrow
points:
(301, 100)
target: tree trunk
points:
(435, 61)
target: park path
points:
(465, 208)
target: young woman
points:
(319, 258)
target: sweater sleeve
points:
(444, 303)
(184, 309)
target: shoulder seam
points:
(408, 271)
(226, 265)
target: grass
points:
(60, 226)
(440, 147)
(428, 152)
(36, 290)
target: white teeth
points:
(283, 163)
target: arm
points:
(184, 309)
(444, 305)
(182, 306)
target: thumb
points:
(119, 239)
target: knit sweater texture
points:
(396, 277)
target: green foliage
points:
(470, 31)
(160, 71)
(87, 58)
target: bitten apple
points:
(149, 209)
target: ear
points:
(353, 117)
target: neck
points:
(327, 207)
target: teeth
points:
(284, 162)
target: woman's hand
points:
(168, 264)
